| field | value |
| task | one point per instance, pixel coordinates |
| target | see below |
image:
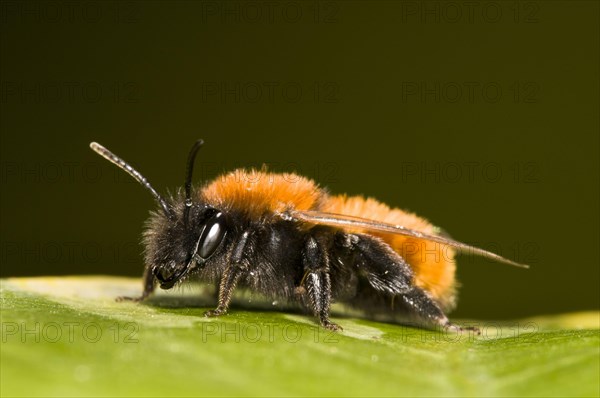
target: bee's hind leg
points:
(387, 272)
(428, 311)
(149, 286)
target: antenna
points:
(120, 163)
(188, 178)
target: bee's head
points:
(175, 247)
(182, 235)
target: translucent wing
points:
(341, 221)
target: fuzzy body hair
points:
(275, 258)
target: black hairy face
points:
(175, 246)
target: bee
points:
(282, 235)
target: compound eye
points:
(211, 235)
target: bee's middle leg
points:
(317, 279)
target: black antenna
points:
(120, 163)
(188, 178)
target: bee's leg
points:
(149, 287)
(317, 279)
(237, 267)
(228, 282)
(388, 272)
(385, 270)
(428, 311)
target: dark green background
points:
(131, 75)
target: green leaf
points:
(68, 337)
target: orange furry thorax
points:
(258, 193)
(261, 194)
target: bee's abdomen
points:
(432, 263)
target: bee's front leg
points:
(149, 286)
(237, 268)
(228, 282)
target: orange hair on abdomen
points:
(433, 264)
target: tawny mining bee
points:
(287, 238)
